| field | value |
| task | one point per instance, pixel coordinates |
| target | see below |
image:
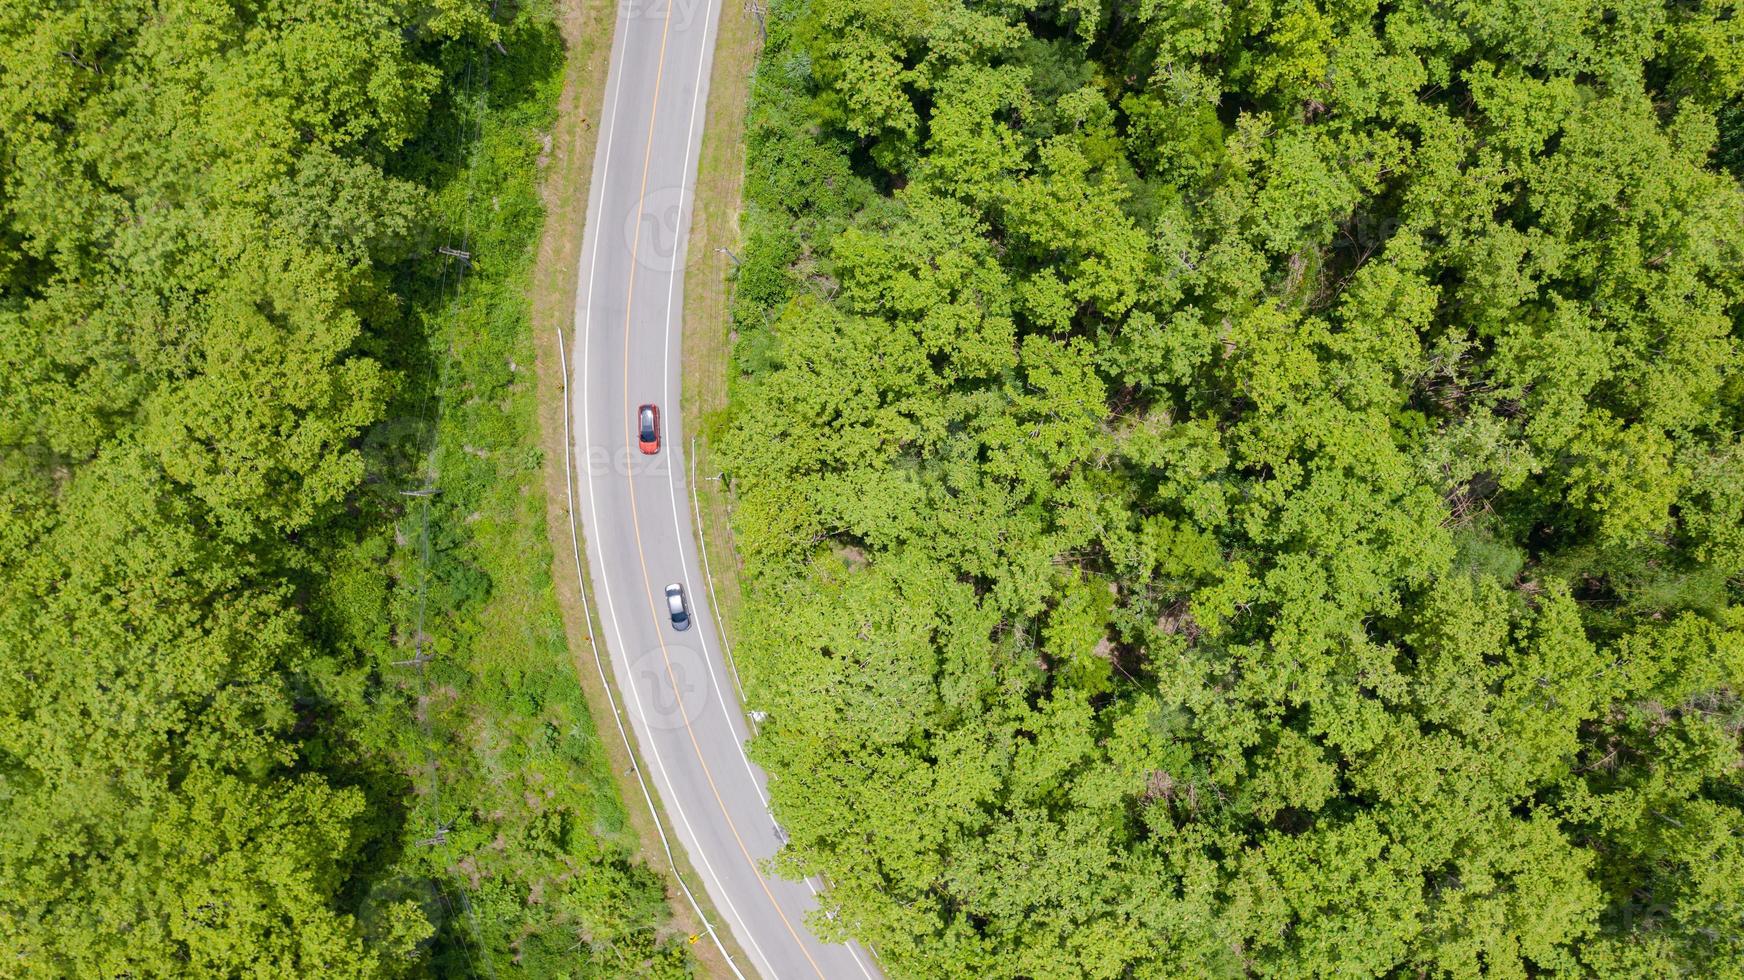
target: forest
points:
(1250, 487)
(261, 712)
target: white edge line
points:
(709, 576)
(721, 628)
(581, 586)
(679, 527)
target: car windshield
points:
(648, 424)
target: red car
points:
(648, 429)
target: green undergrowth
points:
(533, 871)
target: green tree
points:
(1249, 489)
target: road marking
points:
(678, 527)
(635, 517)
(605, 580)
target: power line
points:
(467, 100)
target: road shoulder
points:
(714, 240)
(566, 173)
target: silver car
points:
(675, 605)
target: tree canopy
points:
(219, 306)
(1252, 487)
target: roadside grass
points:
(566, 168)
(711, 258)
(517, 840)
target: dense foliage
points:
(1251, 487)
(225, 346)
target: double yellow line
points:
(635, 517)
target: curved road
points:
(636, 509)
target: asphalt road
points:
(635, 509)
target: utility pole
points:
(437, 838)
(756, 9)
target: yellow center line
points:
(635, 518)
